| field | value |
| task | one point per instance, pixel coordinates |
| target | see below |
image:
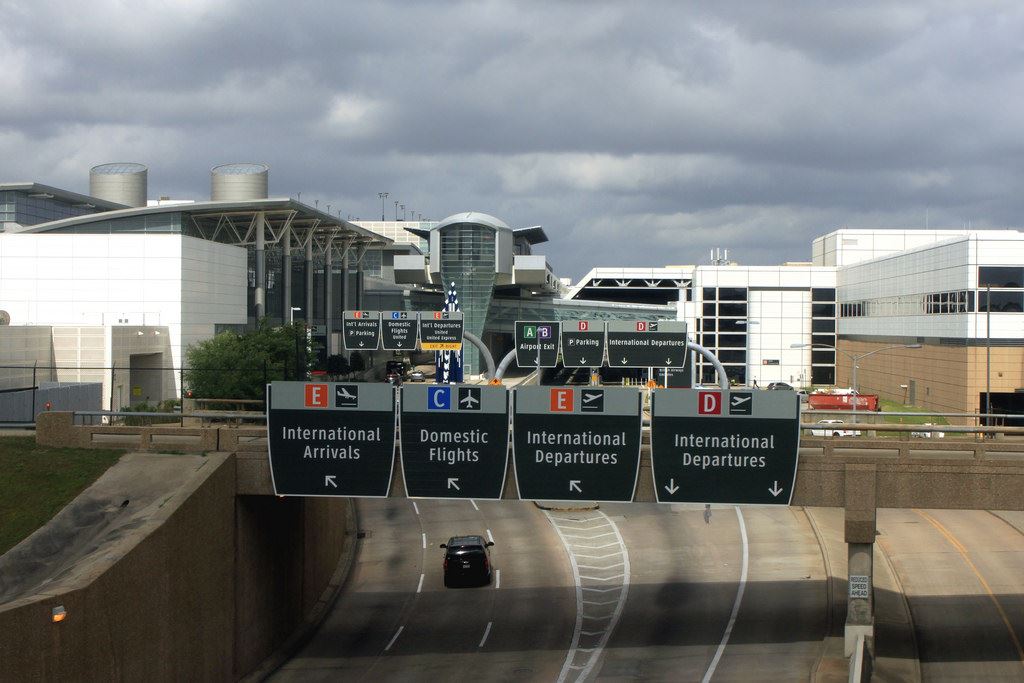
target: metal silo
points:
(122, 183)
(238, 182)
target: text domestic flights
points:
(643, 344)
(398, 330)
(441, 330)
(582, 343)
(331, 438)
(711, 446)
(576, 443)
(361, 330)
(530, 335)
(454, 440)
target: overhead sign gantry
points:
(454, 440)
(583, 343)
(361, 330)
(331, 438)
(645, 344)
(398, 330)
(712, 446)
(576, 443)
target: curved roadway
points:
(673, 593)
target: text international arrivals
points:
(581, 457)
(345, 434)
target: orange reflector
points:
(59, 614)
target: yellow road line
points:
(992, 596)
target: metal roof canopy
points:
(63, 195)
(236, 223)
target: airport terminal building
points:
(115, 280)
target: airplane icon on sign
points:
(593, 401)
(469, 401)
(469, 398)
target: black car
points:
(467, 560)
(780, 386)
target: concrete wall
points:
(20, 348)
(208, 595)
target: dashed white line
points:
(489, 536)
(487, 632)
(611, 566)
(394, 638)
(497, 579)
(735, 605)
(420, 587)
(416, 507)
(474, 505)
(602, 578)
(424, 540)
(589, 538)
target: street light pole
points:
(855, 358)
(383, 196)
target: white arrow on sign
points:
(668, 361)
(453, 482)
(574, 485)
(583, 361)
(775, 491)
(624, 361)
(329, 480)
(671, 488)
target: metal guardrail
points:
(165, 418)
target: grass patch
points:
(37, 481)
(895, 407)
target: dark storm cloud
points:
(638, 134)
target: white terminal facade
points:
(88, 283)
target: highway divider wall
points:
(219, 584)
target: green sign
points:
(576, 443)
(712, 446)
(454, 440)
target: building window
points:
(738, 341)
(1000, 276)
(823, 325)
(823, 295)
(823, 374)
(732, 310)
(823, 310)
(732, 294)
(1002, 302)
(709, 293)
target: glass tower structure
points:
(467, 261)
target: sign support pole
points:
(723, 380)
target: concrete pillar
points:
(859, 532)
(286, 275)
(329, 296)
(346, 297)
(261, 267)
(359, 278)
(309, 281)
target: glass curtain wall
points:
(467, 260)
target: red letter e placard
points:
(316, 395)
(709, 403)
(561, 400)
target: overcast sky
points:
(637, 134)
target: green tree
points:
(337, 366)
(357, 363)
(234, 365)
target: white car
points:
(833, 429)
(928, 434)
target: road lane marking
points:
(981, 579)
(416, 507)
(420, 587)
(474, 505)
(489, 536)
(487, 632)
(497, 579)
(424, 540)
(580, 661)
(611, 566)
(735, 605)
(394, 638)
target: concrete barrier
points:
(218, 583)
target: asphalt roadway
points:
(669, 593)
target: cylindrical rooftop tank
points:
(122, 183)
(238, 182)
